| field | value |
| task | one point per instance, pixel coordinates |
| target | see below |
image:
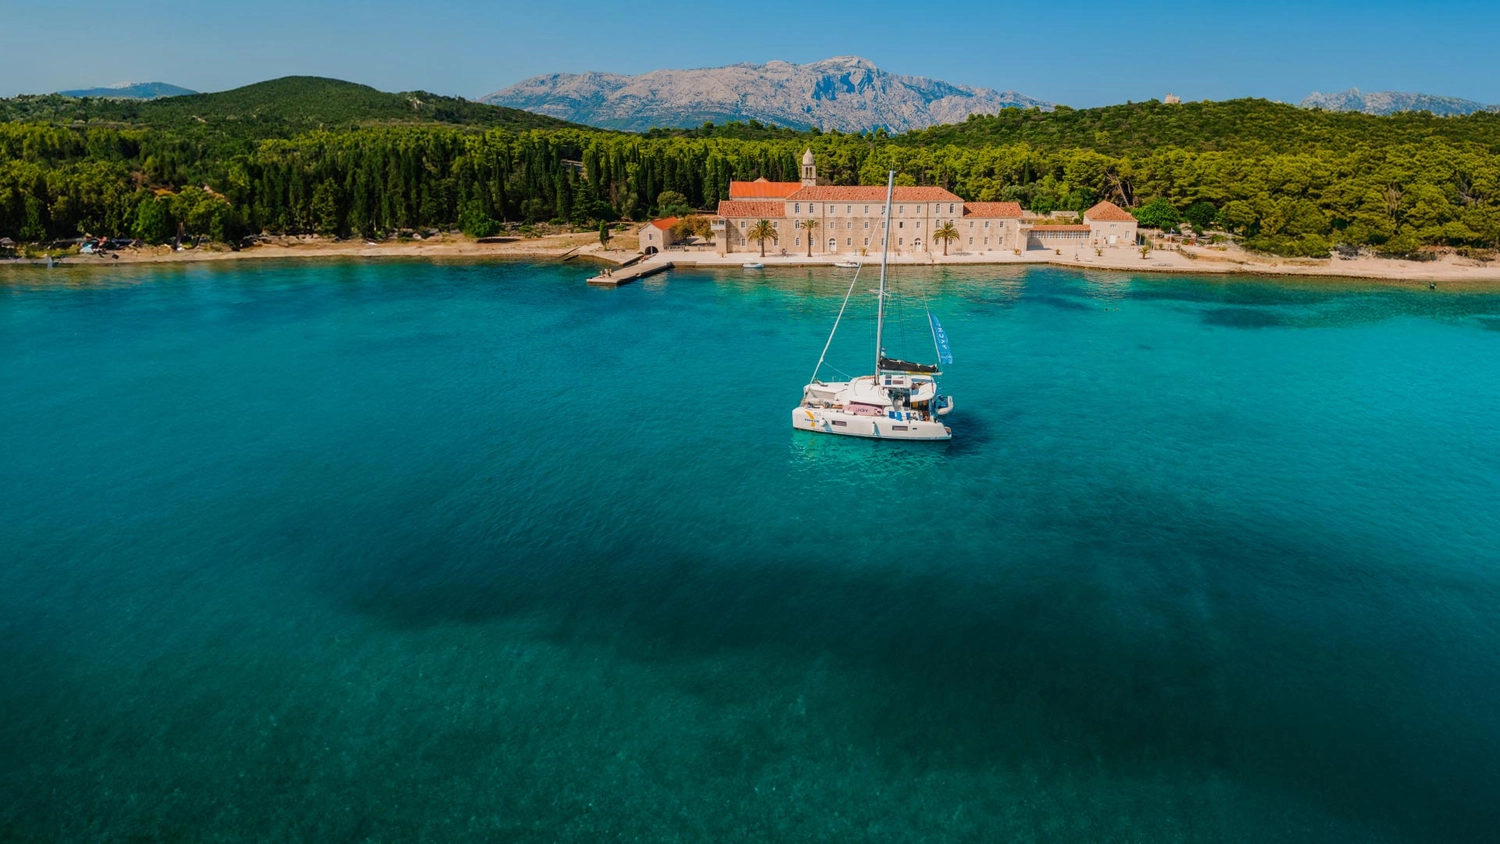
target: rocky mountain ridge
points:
(846, 93)
(1392, 102)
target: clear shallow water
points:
(285, 556)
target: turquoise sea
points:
(407, 551)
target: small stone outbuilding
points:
(657, 235)
(1110, 225)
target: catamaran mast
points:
(885, 245)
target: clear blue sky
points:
(1078, 52)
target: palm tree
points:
(762, 231)
(946, 232)
(810, 225)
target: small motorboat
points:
(846, 265)
(753, 265)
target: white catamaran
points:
(900, 401)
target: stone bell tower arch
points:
(809, 170)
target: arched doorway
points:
(651, 250)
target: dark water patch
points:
(1244, 318)
(1063, 303)
(967, 671)
(1489, 323)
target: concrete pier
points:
(625, 275)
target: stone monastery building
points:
(840, 220)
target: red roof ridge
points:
(752, 208)
(993, 209)
(873, 193)
(1108, 212)
(762, 189)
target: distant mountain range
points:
(1391, 102)
(131, 91)
(277, 108)
(846, 93)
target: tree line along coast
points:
(309, 156)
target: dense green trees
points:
(1202, 215)
(1362, 181)
(1158, 214)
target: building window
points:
(986, 223)
(848, 209)
(867, 241)
(971, 241)
(799, 242)
(900, 224)
(848, 241)
(797, 208)
(900, 240)
(950, 208)
(811, 208)
(867, 225)
(776, 224)
(919, 224)
(900, 209)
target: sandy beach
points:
(585, 247)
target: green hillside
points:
(316, 155)
(1140, 128)
(279, 107)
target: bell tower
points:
(809, 170)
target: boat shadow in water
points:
(1048, 653)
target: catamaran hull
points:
(824, 421)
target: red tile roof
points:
(665, 224)
(1108, 212)
(762, 189)
(993, 209)
(872, 193)
(1060, 228)
(758, 210)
